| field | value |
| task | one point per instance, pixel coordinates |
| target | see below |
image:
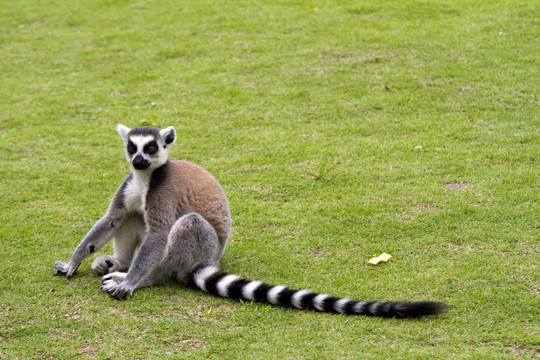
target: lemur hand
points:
(68, 269)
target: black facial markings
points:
(140, 163)
(151, 144)
(92, 248)
(131, 145)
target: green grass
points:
(338, 129)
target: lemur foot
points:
(106, 264)
(115, 284)
(116, 276)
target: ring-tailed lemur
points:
(178, 216)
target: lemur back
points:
(178, 214)
(191, 189)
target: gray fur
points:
(175, 211)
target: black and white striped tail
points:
(211, 280)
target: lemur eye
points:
(131, 149)
(151, 149)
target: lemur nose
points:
(140, 163)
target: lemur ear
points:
(168, 135)
(123, 131)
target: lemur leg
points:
(195, 242)
(191, 241)
(125, 242)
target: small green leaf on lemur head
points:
(151, 121)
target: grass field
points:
(338, 130)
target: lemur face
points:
(147, 147)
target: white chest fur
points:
(135, 193)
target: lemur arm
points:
(99, 235)
(151, 252)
